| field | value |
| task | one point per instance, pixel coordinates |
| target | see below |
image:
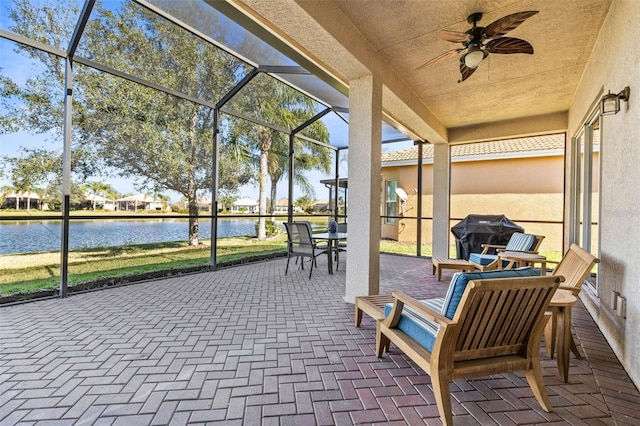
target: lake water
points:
(34, 236)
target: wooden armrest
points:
(486, 247)
(517, 251)
(573, 290)
(402, 299)
(495, 246)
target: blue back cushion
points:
(520, 242)
(460, 280)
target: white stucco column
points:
(365, 136)
(441, 186)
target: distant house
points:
(21, 200)
(245, 205)
(139, 202)
(99, 202)
(204, 204)
(521, 178)
(320, 206)
(282, 206)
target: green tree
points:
(153, 138)
(305, 203)
(8, 90)
(31, 170)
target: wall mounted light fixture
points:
(610, 103)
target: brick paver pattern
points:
(251, 345)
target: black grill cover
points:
(475, 230)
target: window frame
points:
(390, 202)
(584, 205)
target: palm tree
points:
(165, 200)
(275, 103)
(94, 188)
(307, 157)
(304, 203)
(226, 201)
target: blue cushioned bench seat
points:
(425, 331)
(517, 242)
(482, 259)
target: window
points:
(391, 202)
(586, 203)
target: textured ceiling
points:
(394, 37)
(503, 87)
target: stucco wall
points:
(537, 175)
(521, 188)
(614, 64)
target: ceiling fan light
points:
(473, 58)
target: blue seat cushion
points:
(459, 283)
(419, 328)
(482, 259)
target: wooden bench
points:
(459, 264)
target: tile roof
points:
(501, 148)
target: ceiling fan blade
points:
(507, 23)
(465, 72)
(506, 45)
(440, 58)
(454, 36)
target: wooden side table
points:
(372, 306)
(459, 264)
(559, 329)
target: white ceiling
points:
(402, 34)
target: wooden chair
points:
(486, 261)
(575, 266)
(300, 244)
(496, 328)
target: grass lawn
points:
(32, 272)
(23, 273)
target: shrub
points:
(272, 228)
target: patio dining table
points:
(332, 239)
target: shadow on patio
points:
(249, 345)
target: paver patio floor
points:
(249, 345)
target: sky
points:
(18, 68)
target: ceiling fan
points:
(480, 41)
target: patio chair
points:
(300, 244)
(518, 242)
(496, 328)
(575, 266)
(340, 245)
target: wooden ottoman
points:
(372, 305)
(460, 264)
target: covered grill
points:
(475, 230)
